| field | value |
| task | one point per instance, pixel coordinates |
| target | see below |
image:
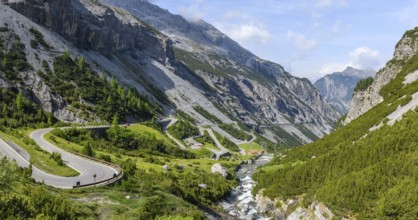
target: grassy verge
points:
(38, 157)
(142, 129)
(254, 146)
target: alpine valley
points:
(118, 109)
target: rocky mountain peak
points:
(338, 88)
(360, 73)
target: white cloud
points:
(360, 58)
(251, 32)
(364, 57)
(300, 41)
(194, 11)
(233, 15)
(332, 68)
(330, 3)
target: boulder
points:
(218, 168)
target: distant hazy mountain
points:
(338, 88)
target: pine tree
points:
(19, 101)
(49, 120)
(5, 110)
(114, 83)
(81, 63)
(66, 55)
(115, 121)
(88, 150)
(4, 62)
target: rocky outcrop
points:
(365, 100)
(291, 209)
(338, 88)
(18, 30)
(219, 169)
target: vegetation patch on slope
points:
(84, 89)
(207, 114)
(183, 129)
(355, 171)
(363, 84)
(235, 132)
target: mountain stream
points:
(241, 203)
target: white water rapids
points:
(241, 204)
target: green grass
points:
(251, 146)
(113, 204)
(202, 153)
(203, 164)
(116, 159)
(142, 129)
(39, 158)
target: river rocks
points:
(301, 214)
(264, 204)
(321, 211)
(291, 209)
(218, 168)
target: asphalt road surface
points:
(90, 171)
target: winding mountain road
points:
(91, 172)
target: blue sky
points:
(309, 38)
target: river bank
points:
(241, 204)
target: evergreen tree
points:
(88, 150)
(115, 121)
(49, 120)
(4, 62)
(19, 101)
(81, 63)
(66, 55)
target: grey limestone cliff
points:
(365, 100)
(241, 85)
(338, 88)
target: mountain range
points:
(179, 64)
(366, 169)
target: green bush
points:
(77, 83)
(207, 115)
(183, 129)
(235, 132)
(20, 199)
(39, 38)
(363, 84)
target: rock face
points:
(218, 168)
(365, 100)
(178, 63)
(291, 209)
(18, 31)
(338, 88)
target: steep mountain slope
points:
(366, 169)
(242, 86)
(208, 69)
(370, 97)
(338, 88)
